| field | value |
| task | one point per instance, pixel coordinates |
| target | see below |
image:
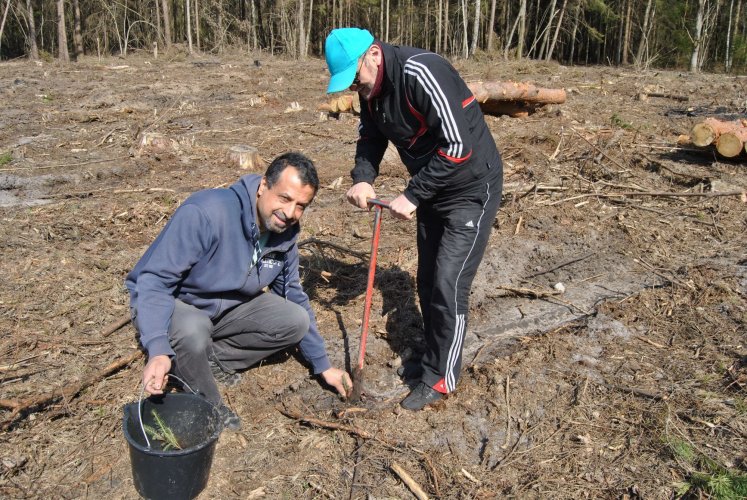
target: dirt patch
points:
(606, 354)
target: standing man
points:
(417, 101)
(197, 295)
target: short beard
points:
(270, 225)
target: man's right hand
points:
(155, 374)
(359, 194)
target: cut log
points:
(516, 91)
(344, 104)
(731, 144)
(245, 157)
(708, 131)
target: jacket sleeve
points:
(184, 240)
(370, 148)
(436, 90)
(312, 344)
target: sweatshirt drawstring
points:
(257, 249)
(285, 277)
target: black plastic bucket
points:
(178, 474)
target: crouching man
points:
(198, 297)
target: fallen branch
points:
(655, 194)
(562, 264)
(116, 325)
(326, 425)
(41, 401)
(309, 241)
(636, 392)
(409, 481)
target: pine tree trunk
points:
(219, 41)
(78, 32)
(491, 26)
(628, 31)
(197, 25)
(189, 28)
(465, 47)
(159, 32)
(445, 44)
(522, 28)
(475, 28)
(309, 24)
(643, 44)
(34, 49)
(698, 38)
(301, 31)
(574, 31)
(547, 31)
(386, 33)
(727, 61)
(62, 52)
(557, 31)
(166, 22)
(2, 22)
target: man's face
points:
(282, 205)
(368, 69)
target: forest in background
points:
(687, 34)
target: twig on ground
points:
(43, 167)
(562, 264)
(664, 194)
(327, 425)
(409, 481)
(361, 255)
(113, 327)
(39, 402)
(508, 414)
(648, 341)
(637, 392)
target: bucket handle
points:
(140, 406)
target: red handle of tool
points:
(370, 282)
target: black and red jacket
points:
(425, 109)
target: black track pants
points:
(451, 241)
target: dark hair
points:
(305, 167)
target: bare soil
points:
(619, 387)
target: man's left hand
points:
(339, 379)
(402, 208)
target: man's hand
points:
(154, 374)
(359, 193)
(338, 379)
(402, 208)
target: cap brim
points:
(342, 80)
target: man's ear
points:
(375, 52)
(262, 186)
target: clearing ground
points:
(628, 384)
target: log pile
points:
(515, 99)
(729, 138)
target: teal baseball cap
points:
(342, 49)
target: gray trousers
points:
(239, 339)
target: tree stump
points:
(153, 141)
(245, 157)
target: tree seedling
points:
(162, 432)
(346, 386)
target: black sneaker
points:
(420, 397)
(222, 376)
(410, 371)
(230, 420)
